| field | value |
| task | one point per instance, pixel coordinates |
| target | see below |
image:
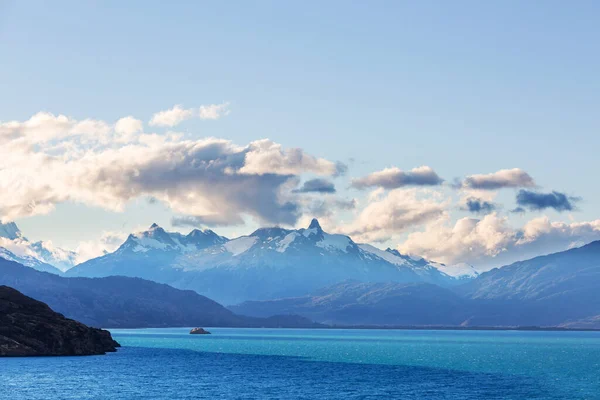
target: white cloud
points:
(178, 114)
(491, 241)
(45, 127)
(128, 126)
(267, 157)
(171, 117)
(388, 215)
(107, 243)
(214, 111)
(212, 179)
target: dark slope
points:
(30, 328)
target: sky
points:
(460, 131)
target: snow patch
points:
(150, 243)
(240, 245)
(386, 255)
(461, 270)
(308, 232)
(334, 242)
(286, 241)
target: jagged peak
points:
(393, 251)
(154, 226)
(314, 224)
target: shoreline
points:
(391, 328)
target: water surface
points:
(313, 363)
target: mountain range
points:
(559, 289)
(328, 278)
(122, 302)
(269, 263)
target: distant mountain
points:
(561, 287)
(269, 263)
(353, 303)
(121, 302)
(40, 255)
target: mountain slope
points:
(121, 302)
(269, 263)
(562, 286)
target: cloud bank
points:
(51, 159)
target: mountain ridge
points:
(269, 262)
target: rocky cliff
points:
(30, 328)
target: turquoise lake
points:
(318, 364)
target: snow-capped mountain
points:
(267, 264)
(157, 239)
(150, 254)
(41, 255)
(28, 261)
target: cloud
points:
(468, 240)
(555, 233)
(491, 241)
(45, 128)
(540, 201)
(505, 178)
(128, 126)
(478, 206)
(214, 111)
(108, 242)
(171, 117)
(211, 179)
(389, 214)
(196, 221)
(267, 157)
(174, 116)
(316, 186)
(392, 178)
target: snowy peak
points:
(42, 255)
(10, 231)
(266, 233)
(157, 239)
(265, 243)
(205, 238)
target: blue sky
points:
(463, 87)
